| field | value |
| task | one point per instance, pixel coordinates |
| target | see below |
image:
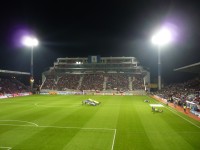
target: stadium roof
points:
(13, 72)
(193, 68)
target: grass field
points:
(42, 122)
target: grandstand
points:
(12, 83)
(95, 73)
(185, 93)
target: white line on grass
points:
(40, 105)
(182, 117)
(62, 127)
(113, 143)
(156, 105)
(18, 121)
(8, 148)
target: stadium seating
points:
(182, 92)
(70, 81)
(117, 81)
(92, 82)
(49, 83)
(11, 86)
(137, 83)
(95, 82)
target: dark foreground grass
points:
(119, 123)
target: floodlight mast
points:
(159, 68)
(31, 42)
(161, 38)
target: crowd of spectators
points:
(119, 82)
(92, 82)
(97, 82)
(11, 86)
(70, 81)
(50, 83)
(137, 82)
(179, 93)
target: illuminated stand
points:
(161, 38)
(30, 42)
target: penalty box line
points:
(114, 135)
(62, 127)
(8, 148)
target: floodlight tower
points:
(30, 42)
(162, 37)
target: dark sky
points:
(98, 27)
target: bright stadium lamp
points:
(30, 42)
(161, 38)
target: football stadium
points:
(98, 103)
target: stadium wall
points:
(54, 92)
(14, 95)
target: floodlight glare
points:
(29, 41)
(162, 37)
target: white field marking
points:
(113, 143)
(183, 117)
(61, 127)
(115, 104)
(40, 105)
(31, 123)
(8, 148)
(12, 102)
(156, 105)
(16, 125)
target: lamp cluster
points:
(162, 37)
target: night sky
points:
(98, 27)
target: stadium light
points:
(161, 38)
(30, 42)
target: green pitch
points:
(119, 123)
